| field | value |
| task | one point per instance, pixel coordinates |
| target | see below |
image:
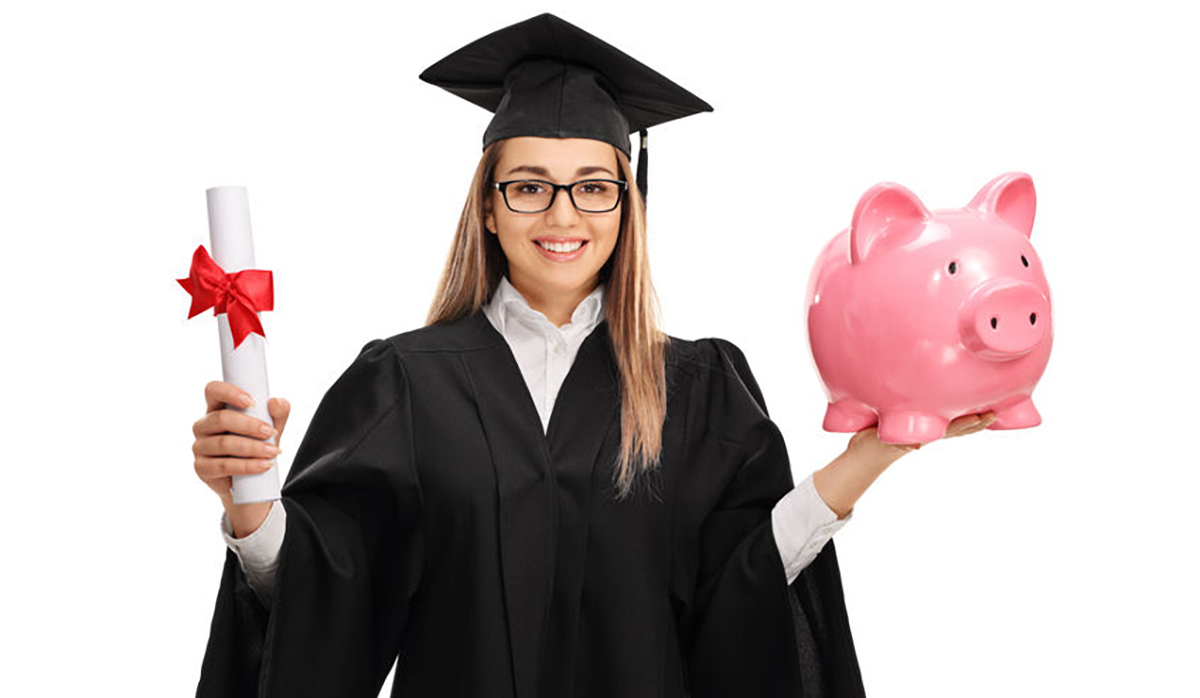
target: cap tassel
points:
(642, 165)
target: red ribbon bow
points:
(241, 294)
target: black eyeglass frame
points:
(622, 185)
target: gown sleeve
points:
(258, 552)
(753, 634)
(351, 557)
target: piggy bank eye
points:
(953, 267)
(1024, 261)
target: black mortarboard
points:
(546, 77)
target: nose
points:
(1004, 319)
(562, 212)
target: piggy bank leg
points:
(1021, 415)
(848, 415)
(898, 427)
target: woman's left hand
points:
(844, 480)
(867, 440)
(969, 424)
(966, 424)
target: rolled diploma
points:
(245, 366)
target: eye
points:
(1024, 261)
(529, 188)
(953, 267)
(594, 187)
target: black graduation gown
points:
(430, 517)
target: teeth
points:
(561, 246)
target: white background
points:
(1058, 560)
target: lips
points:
(558, 238)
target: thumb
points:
(279, 409)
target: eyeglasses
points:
(537, 195)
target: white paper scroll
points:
(246, 366)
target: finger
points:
(280, 409)
(986, 421)
(218, 394)
(971, 423)
(215, 468)
(227, 420)
(970, 430)
(234, 445)
(964, 421)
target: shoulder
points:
(395, 358)
(709, 358)
(389, 354)
(464, 334)
(706, 353)
(721, 381)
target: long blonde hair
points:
(476, 264)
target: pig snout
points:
(1003, 319)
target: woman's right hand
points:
(229, 442)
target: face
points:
(531, 268)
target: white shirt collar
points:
(508, 302)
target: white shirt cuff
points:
(802, 523)
(258, 553)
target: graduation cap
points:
(546, 77)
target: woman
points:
(539, 493)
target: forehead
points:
(561, 156)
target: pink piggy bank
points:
(916, 317)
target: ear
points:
(886, 216)
(1012, 198)
(489, 215)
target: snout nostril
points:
(994, 323)
(1033, 318)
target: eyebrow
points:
(542, 171)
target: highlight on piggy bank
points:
(916, 317)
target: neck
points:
(557, 306)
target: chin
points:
(568, 284)
(563, 280)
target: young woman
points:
(539, 493)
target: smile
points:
(561, 251)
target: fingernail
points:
(247, 400)
(266, 430)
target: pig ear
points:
(887, 215)
(1012, 198)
